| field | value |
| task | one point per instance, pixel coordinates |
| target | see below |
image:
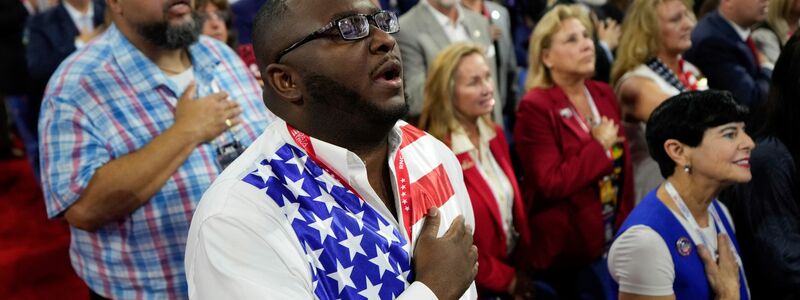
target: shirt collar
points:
(441, 18)
(76, 15)
(145, 76)
(743, 32)
(460, 142)
(345, 162)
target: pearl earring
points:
(687, 169)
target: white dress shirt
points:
(241, 245)
(490, 170)
(455, 31)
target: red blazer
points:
(562, 165)
(497, 268)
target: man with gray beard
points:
(134, 127)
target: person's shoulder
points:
(712, 27)
(412, 135)
(763, 32)
(214, 47)
(770, 154)
(42, 19)
(82, 64)
(239, 190)
(538, 94)
(498, 7)
(640, 242)
(472, 16)
(412, 14)
(634, 77)
(539, 98)
(417, 141)
(639, 236)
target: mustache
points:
(383, 61)
(170, 3)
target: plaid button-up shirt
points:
(108, 100)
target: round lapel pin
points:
(684, 246)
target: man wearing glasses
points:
(338, 198)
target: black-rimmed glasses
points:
(353, 27)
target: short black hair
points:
(267, 28)
(686, 117)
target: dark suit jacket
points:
(727, 61)
(51, 38)
(12, 53)
(497, 268)
(563, 164)
(244, 13)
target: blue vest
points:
(690, 276)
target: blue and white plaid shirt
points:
(108, 100)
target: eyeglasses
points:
(351, 28)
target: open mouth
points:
(389, 73)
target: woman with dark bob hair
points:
(679, 242)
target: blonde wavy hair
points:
(541, 39)
(439, 117)
(778, 11)
(641, 36)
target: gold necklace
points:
(172, 72)
(183, 65)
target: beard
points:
(171, 37)
(330, 94)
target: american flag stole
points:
(352, 250)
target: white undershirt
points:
(83, 21)
(640, 243)
(490, 170)
(182, 80)
(455, 31)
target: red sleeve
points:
(555, 175)
(493, 274)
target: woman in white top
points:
(648, 70)
(679, 243)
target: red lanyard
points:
(400, 167)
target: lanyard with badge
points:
(403, 181)
(609, 184)
(226, 152)
(670, 189)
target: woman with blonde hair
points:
(783, 18)
(578, 183)
(459, 97)
(649, 69)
